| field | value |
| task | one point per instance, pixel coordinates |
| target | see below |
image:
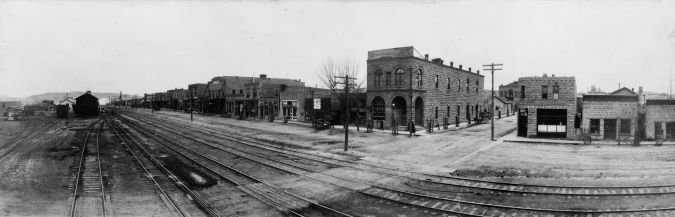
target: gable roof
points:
(623, 91)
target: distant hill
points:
(56, 96)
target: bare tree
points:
(331, 69)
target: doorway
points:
(399, 111)
(522, 122)
(419, 111)
(610, 129)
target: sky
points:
(150, 46)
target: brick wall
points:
(533, 100)
(433, 97)
(658, 113)
(608, 110)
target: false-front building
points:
(547, 106)
(403, 88)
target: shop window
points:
(595, 126)
(625, 127)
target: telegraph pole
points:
(347, 108)
(190, 92)
(492, 69)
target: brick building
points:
(509, 91)
(547, 106)
(660, 119)
(610, 116)
(403, 88)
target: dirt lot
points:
(469, 152)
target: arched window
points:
(398, 77)
(378, 78)
(387, 79)
(419, 78)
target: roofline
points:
(417, 58)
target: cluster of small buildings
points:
(549, 106)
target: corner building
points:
(547, 107)
(404, 88)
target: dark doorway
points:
(610, 129)
(522, 122)
(552, 123)
(399, 111)
(419, 111)
(641, 127)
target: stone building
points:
(610, 116)
(547, 106)
(403, 88)
(509, 91)
(660, 119)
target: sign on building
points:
(317, 103)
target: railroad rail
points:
(153, 163)
(145, 166)
(88, 184)
(446, 204)
(280, 199)
(14, 144)
(452, 180)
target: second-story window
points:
(522, 92)
(436, 80)
(544, 91)
(255, 92)
(378, 78)
(468, 83)
(459, 85)
(477, 84)
(556, 91)
(419, 78)
(234, 92)
(449, 83)
(387, 79)
(398, 77)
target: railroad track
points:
(450, 180)
(88, 198)
(465, 207)
(19, 141)
(151, 167)
(280, 199)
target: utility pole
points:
(492, 70)
(347, 83)
(411, 123)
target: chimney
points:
(437, 61)
(469, 69)
(452, 64)
(263, 76)
(88, 91)
(544, 75)
(553, 75)
(460, 66)
(632, 89)
(478, 72)
(426, 56)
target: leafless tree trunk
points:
(330, 69)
